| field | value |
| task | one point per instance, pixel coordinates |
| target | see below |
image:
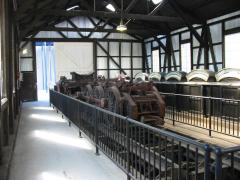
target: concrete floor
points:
(48, 149)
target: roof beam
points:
(103, 14)
(156, 9)
(60, 39)
(131, 6)
(182, 14)
(22, 12)
(75, 29)
(74, 26)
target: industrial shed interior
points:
(120, 89)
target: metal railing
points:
(214, 114)
(145, 152)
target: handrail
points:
(157, 130)
(204, 97)
(127, 142)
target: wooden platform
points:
(202, 135)
(222, 124)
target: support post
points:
(96, 132)
(207, 162)
(206, 48)
(210, 117)
(168, 52)
(218, 168)
(128, 148)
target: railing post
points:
(174, 107)
(218, 166)
(96, 131)
(210, 117)
(207, 162)
(128, 148)
(80, 120)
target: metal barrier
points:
(214, 114)
(145, 152)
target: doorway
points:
(46, 69)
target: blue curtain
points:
(46, 67)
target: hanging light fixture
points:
(121, 27)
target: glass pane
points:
(102, 63)
(216, 33)
(155, 56)
(137, 62)
(137, 49)
(126, 63)
(186, 57)
(26, 64)
(232, 50)
(126, 49)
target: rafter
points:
(131, 6)
(74, 26)
(76, 29)
(183, 15)
(103, 14)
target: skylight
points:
(73, 7)
(156, 1)
(110, 7)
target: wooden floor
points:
(224, 124)
(202, 135)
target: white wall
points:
(73, 56)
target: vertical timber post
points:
(168, 52)
(95, 58)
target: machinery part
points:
(178, 76)
(228, 74)
(114, 100)
(98, 92)
(156, 77)
(201, 75)
(129, 107)
(141, 77)
(74, 85)
(82, 77)
(88, 90)
(144, 103)
(101, 78)
(99, 97)
(161, 103)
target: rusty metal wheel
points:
(88, 90)
(161, 103)
(129, 107)
(98, 92)
(114, 100)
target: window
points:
(26, 58)
(232, 50)
(186, 57)
(155, 59)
